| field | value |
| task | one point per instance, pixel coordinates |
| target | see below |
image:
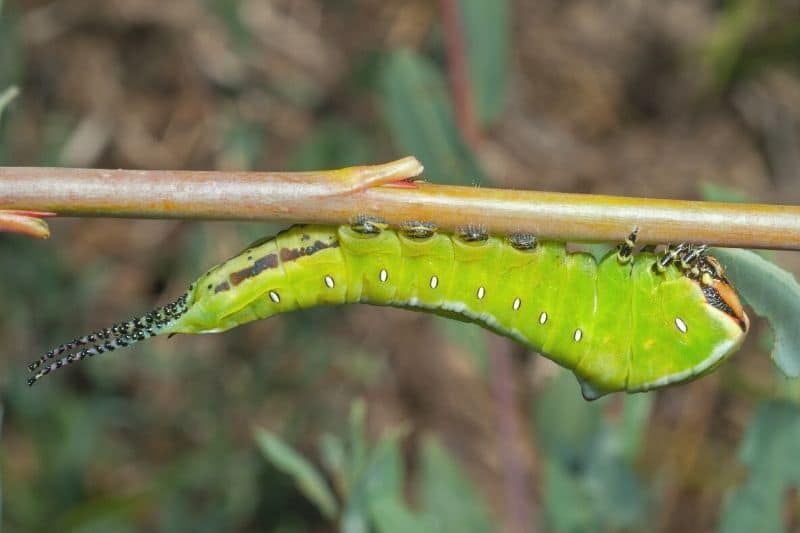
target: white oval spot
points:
(275, 297)
(434, 282)
(543, 318)
(481, 293)
(681, 325)
(329, 282)
(578, 335)
(517, 304)
(384, 275)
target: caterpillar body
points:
(624, 323)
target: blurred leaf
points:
(419, 114)
(769, 449)
(393, 516)
(772, 293)
(372, 482)
(357, 440)
(306, 476)
(335, 458)
(2, 412)
(6, 97)
(630, 434)
(333, 144)
(473, 341)
(616, 494)
(106, 514)
(228, 11)
(560, 494)
(566, 423)
(450, 501)
(750, 35)
(776, 45)
(243, 146)
(727, 40)
(381, 480)
(721, 193)
(590, 482)
(487, 37)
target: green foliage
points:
(449, 501)
(748, 36)
(243, 145)
(418, 112)
(769, 450)
(472, 341)
(726, 43)
(487, 37)
(6, 97)
(307, 478)
(335, 143)
(370, 481)
(719, 193)
(10, 64)
(589, 480)
(772, 293)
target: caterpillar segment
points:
(628, 322)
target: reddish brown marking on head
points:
(718, 291)
(260, 265)
(720, 295)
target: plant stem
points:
(458, 71)
(335, 197)
(521, 508)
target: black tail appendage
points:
(107, 339)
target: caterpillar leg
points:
(472, 233)
(368, 225)
(522, 241)
(625, 250)
(693, 253)
(415, 229)
(670, 255)
(690, 258)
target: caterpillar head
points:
(719, 292)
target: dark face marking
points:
(261, 264)
(723, 298)
(222, 287)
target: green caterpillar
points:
(625, 323)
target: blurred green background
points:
(369, 419)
